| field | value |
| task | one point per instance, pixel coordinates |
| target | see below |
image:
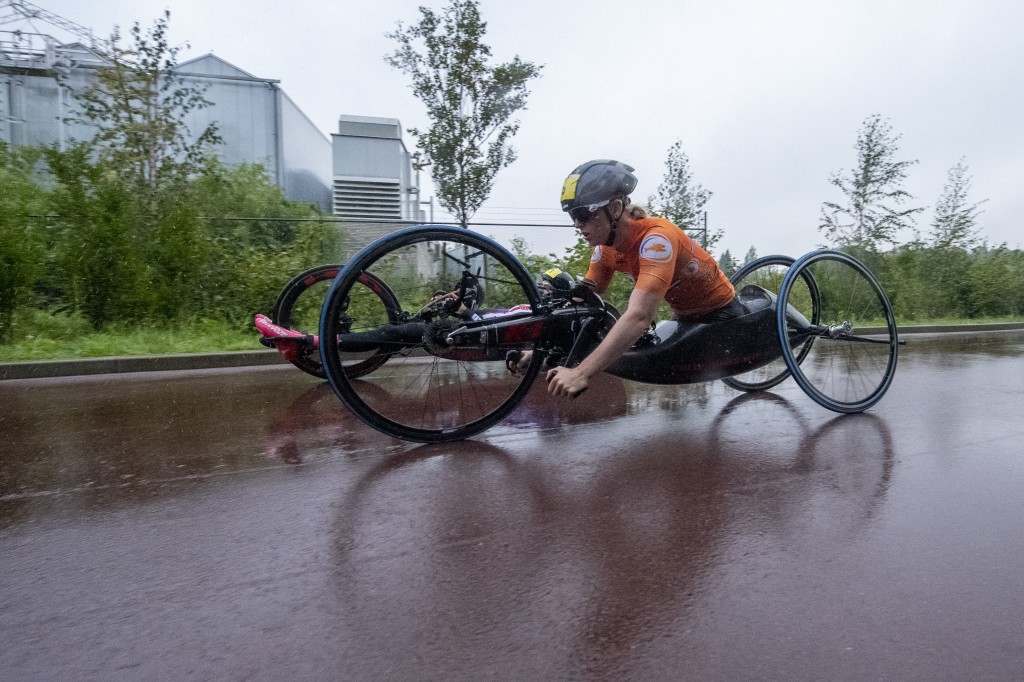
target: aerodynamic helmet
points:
(558, 280)
(595, 183)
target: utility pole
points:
(703, 229)
(431, 204)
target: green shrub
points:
(218, 245)
(22, 250)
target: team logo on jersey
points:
(596, 256)
(656, 248)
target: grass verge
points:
(44, 336)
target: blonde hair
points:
(635, 211)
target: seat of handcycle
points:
(689, 351)
(753, 299)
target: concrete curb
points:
(154, 363)
(951, 328)
(163, 363)
(960, 328)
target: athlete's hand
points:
(567, 381)
(518, 361)
(585, 294)
(435, 304)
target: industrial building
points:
(373, 176)
(361, 172)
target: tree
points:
(98, 248)
(751, 256)
(535, 264)
(681, 201)
(21, 241)
(678, 199)
(871, 216)
(955, 222)
(138, 105)
(728, 263)
(112, 264)
(469, 103)
(126, 237)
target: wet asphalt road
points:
(239, 525)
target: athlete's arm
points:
(643, 305)
(599, 275)
(593, 285)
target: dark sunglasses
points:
(582, 214)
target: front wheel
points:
(430, 391)
(855, 344)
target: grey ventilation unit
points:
(368, 198)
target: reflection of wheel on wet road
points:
(439, 396)
(851, 363)
(299, 306)
(854, 454)
(768, 273)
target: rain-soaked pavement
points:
(239, 525)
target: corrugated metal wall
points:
(32, 106)
(256, 120)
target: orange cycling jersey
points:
(659, 257)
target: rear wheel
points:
(300, 304)
(768, 273)
(431, 391)
(853, 358)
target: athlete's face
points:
(595, 229)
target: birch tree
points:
(470, 103)
(873, 213)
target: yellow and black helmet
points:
(593, 184)
(558, 280)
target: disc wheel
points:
(301, 301)
(853, 358)
(428, 392)
(768, 273)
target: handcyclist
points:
(657, 256)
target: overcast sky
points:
(767, 97)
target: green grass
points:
(43, 336)
(957, 320)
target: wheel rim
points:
(300, 306)
(853, 358)
(430, 392)
(769, 273)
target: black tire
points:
(768, 273)
(433, 395)
(853, 357)
(299, 306)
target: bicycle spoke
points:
(448, 387)
(846, 371)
